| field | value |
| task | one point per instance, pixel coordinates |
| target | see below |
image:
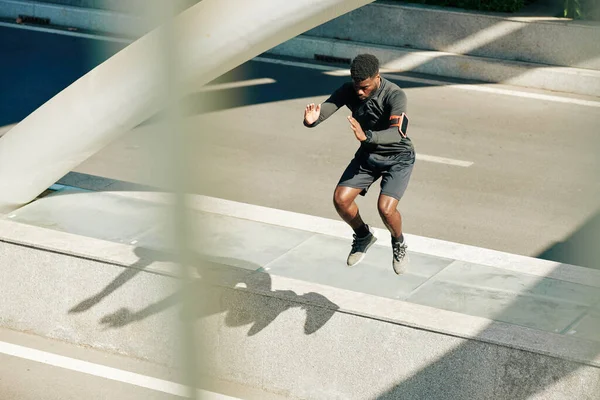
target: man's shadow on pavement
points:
(216, 275)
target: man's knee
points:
(342, 199)
(387, 208)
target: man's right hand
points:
(311, 113)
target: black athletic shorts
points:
(366, 168)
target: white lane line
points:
(443, 160)
(238, 84)
(66, 32)
(102, 371)
(294, 64)
(476, 88)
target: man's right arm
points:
(330, 106)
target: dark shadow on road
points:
(290, 83)
(581, 248)
(36, 66)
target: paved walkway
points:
(261, 239)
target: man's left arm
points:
(397, 104)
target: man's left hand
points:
(357, 129)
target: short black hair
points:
(364, 66)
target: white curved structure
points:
(212, 37)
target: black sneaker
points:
(360, 247)
(400, 260)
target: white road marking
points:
(66, 32)
(444, 160)
(297, 64)
(232, 85)
(103, 371)
(476, 88)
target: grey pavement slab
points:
(322, 259)
(588, 326)
(233, 241)
(92, 214)
(495, 293)
(521, 299)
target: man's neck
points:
(378, 86)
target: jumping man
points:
(378, 107)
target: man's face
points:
(365, 88)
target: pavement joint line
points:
(578, 319)
(429, 279)
(102, 371)
(329, 70)
(267, 265)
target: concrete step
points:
(279, 310)
(514, 289)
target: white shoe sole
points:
(364, 254)
(403, 267)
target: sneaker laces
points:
(358, 241)
(355, 242)
(399, 251)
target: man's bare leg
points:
(392, 219)
(387, 207)
(343, 200)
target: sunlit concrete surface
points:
(279, 298)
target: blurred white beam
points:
(213, 37)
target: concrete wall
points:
(552, 41)
(569, 80)
(281, 335)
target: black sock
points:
(399, 239)
(362, 231)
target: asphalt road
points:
(33, 367)
(527, 184)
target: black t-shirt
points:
(376, 114)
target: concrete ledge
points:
(278, 334)
(441, 248)
(550, 41)
(571, 80)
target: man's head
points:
(365, 75)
